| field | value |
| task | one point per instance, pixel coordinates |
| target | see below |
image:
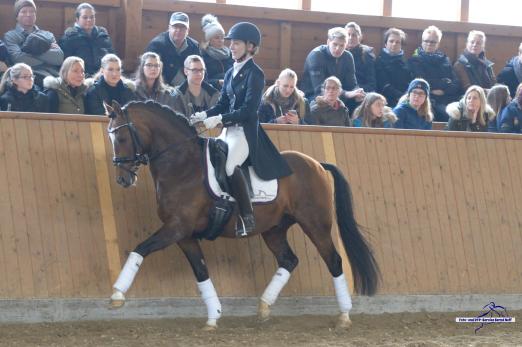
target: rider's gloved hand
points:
(197, 117)
(212, 122)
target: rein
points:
(140, 157)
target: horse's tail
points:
(365, 270)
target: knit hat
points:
(419, 83)
(19, 4)
(211, 26)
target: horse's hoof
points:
(210, 326)
(117, 300)
(343, 322)
(263, 311)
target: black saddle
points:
(218, 150)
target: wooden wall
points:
(442, 212)
(288, 35)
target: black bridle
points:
(139, 156)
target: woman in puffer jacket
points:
(471, 113)
(19, 93)
(67, 92)
(86, 40)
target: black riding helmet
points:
(245, 31)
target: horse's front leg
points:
(193, 252)
(163, 237)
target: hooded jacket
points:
(63, 98)
(460, 120)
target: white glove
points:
(197, 117)
(212, 122)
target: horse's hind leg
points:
(192, 251)
(277, 242)
(319, 233)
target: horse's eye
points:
(121, 140)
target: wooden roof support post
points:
(285, 44)
(132, 10)
(306, 5)
(464, 10)
(387, 8)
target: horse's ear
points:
(116, 107)
(109, 111)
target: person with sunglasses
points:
(19, 93)
(195, 94)
(431, 64)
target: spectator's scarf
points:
(218, 53)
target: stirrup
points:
(245, 225)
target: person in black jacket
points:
(331, 60)
(237, 111)
(108, 86)
(431, 64)
(86, 40)
(19, 93)
(174, 46)
(363, 58)
(216, 55)
(4, 58)
(511, 74)
(393, 74)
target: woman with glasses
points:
(67, 91)
(108, 86)
(431, 64)
(149, 81)
(328, 109)
(472, 67)
(194, 95)
(86, 40)
(19, 93)
(216, 55)
(414, 108)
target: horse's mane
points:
(177, 119)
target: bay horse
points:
(149, 133)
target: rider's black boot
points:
(239, 185)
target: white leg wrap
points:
(343, 295)
(129, 271)
(277, 284)
(209, 295)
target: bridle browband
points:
(140, 157)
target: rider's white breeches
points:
(237, 147)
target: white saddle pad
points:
(264, 191)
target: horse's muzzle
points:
(126, 180)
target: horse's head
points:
(128, 143)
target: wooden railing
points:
(441, 210)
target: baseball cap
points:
(179, 18)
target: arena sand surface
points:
(405, 329)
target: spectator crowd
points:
(344, 82)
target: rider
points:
(237, 111)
